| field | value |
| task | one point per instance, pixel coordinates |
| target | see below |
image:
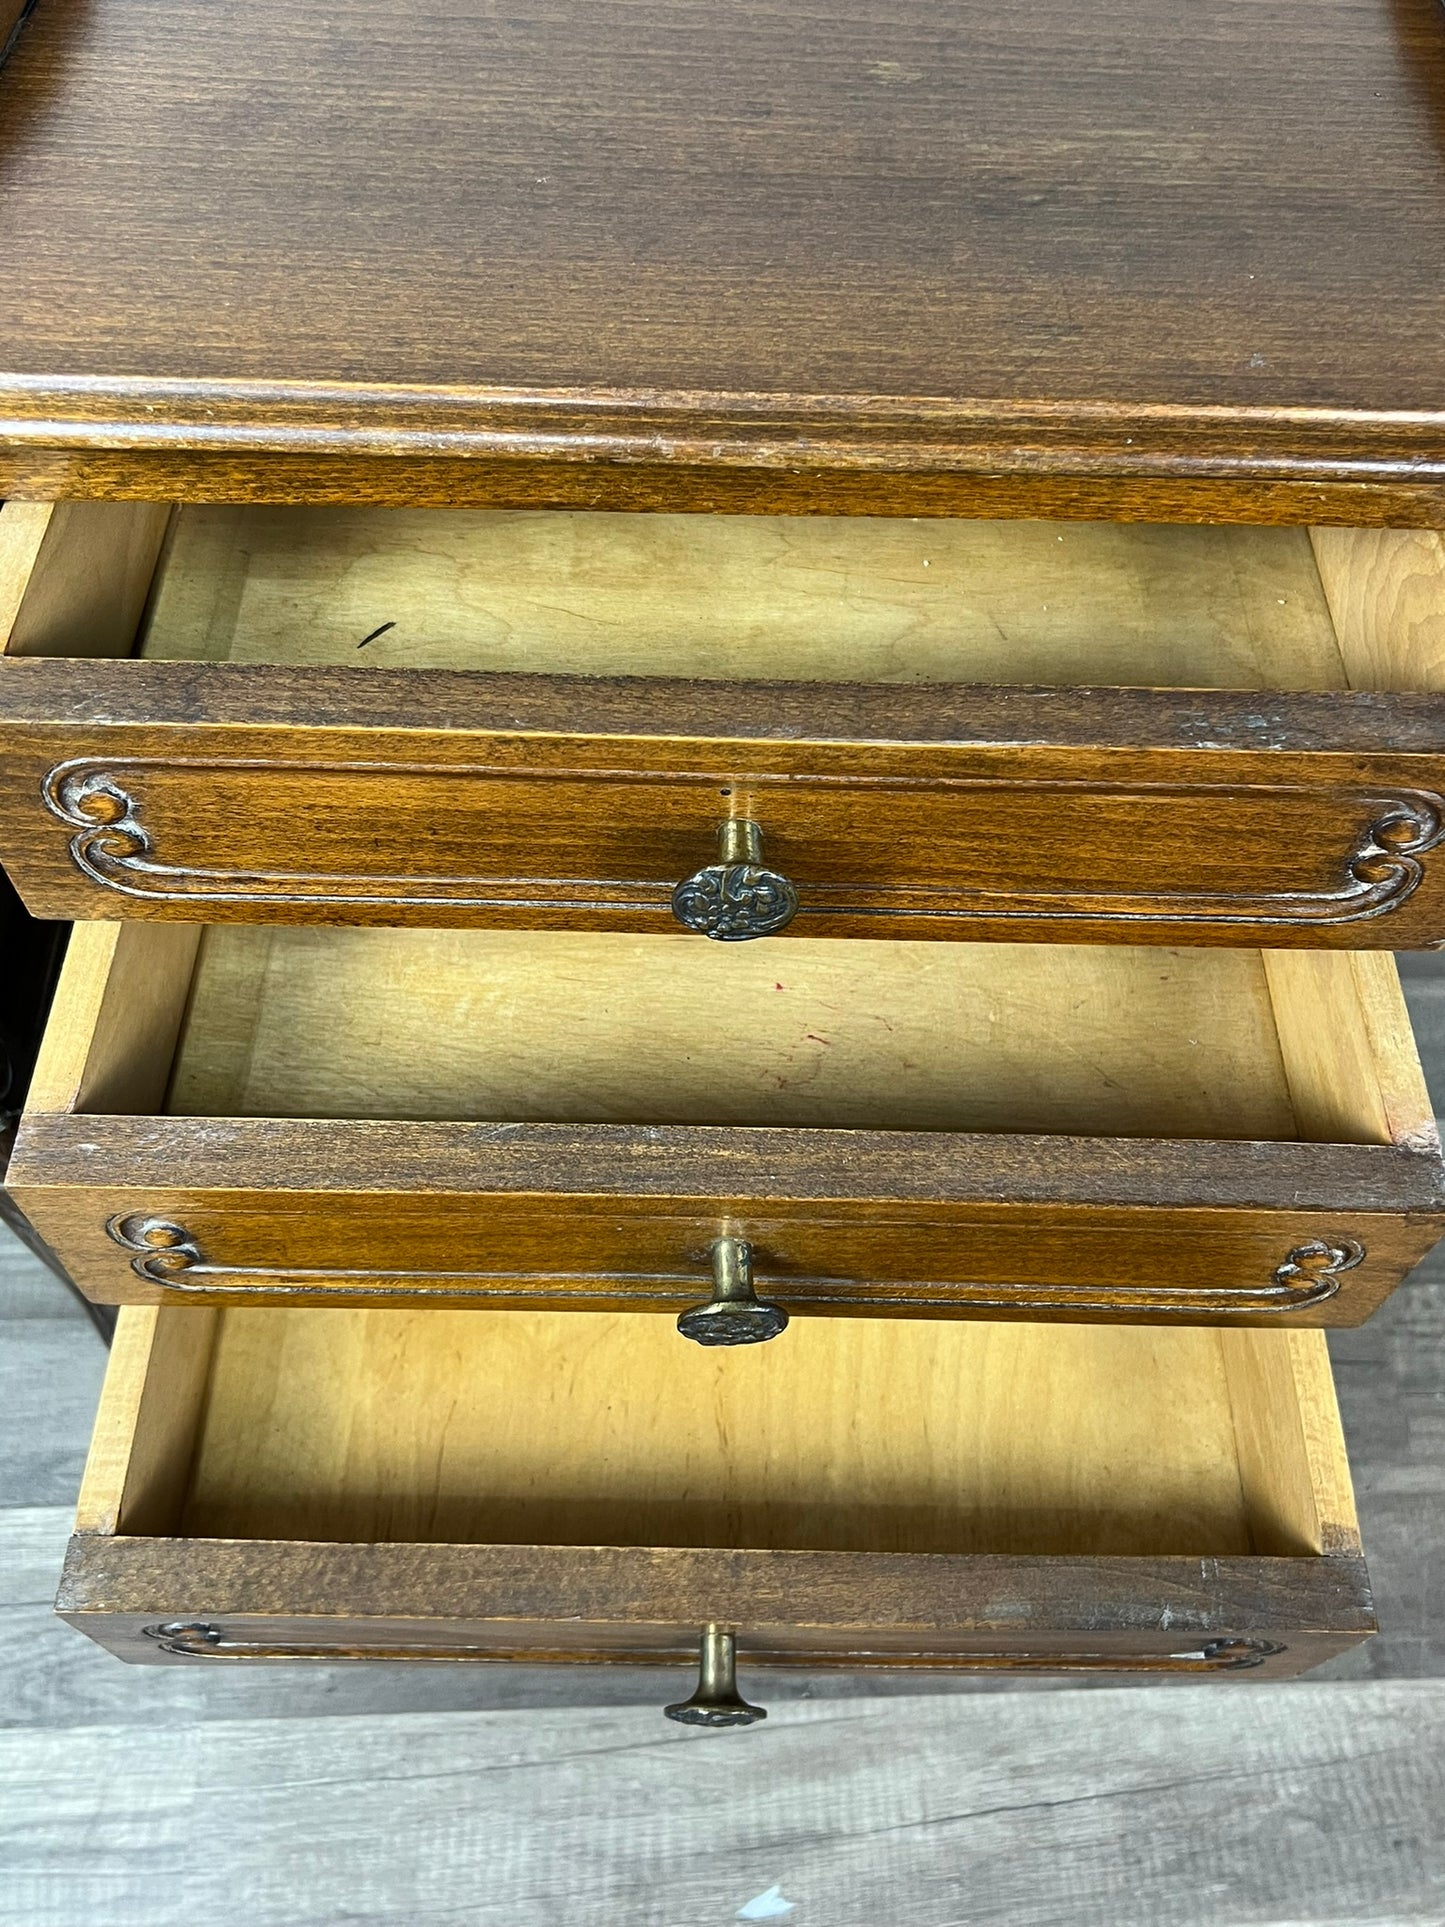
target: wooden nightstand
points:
(499, 498)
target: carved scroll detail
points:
(100, 803)
(199, 1639)
(108, 832)
(165, 1254)
(1317, 1267)
(1387, 860)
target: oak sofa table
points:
(498, 496)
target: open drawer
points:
(509, 1118)
(935, 729)
(293, 1484)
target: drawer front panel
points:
(221, 1602)
(604, 1217)
(206, 1640)
(961, 858)
(1028, 1263)
(1128, 816)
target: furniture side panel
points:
(1386, 593)
(1349, 1052)
(114, 1020)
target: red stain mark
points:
(777, 986)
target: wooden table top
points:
(867, 252)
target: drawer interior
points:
(834, 598)
(866, 599)
(486, 1026)
(591, 1429)
(567, 1028)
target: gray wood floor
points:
(1276, 1804)
(417, 1794)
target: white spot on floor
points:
(768, 1906)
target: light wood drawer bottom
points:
(490, 1486)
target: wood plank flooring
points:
(1267, 1804)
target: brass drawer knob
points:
(734, 1315)
(717, 1701)
(736, 898)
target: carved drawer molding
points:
(164, 1254)
(101, 802)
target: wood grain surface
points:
(689, 255)
(12, 17)
(963, 815)
(463, 1026)
(1055, 1809)
(55, 1679)
(75, 576)
(801, 1611)
(572, 1028)
(1385, 603)
(741, 598)
(1360, 1759)
(849, 1436)
(1387, 1374)
(1036, 1232)
(1311, 1805)
(1348, 1049)
(50, 1367)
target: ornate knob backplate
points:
(717, 1701)
(734, 1315)
(736, 898)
